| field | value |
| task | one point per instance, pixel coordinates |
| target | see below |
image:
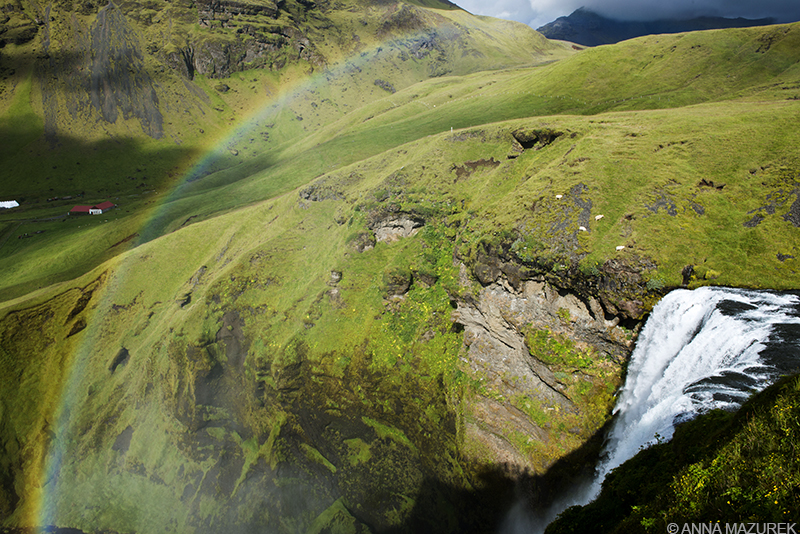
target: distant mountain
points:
(587, 28)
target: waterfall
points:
(700, 350)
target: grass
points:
(264, 170)
(123, 165)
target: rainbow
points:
(45, 508)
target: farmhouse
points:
(102, 208)
(80, 210)
(98, 209)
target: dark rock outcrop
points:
(386, 86)
(619, 284)
(363, 242)
(16, 27)
(396, 281)
(775, 200)
(119, 82)
(103, 75)
(319, 191)
(793, 215)
(664, 202)
(534, 138)
(209, 10)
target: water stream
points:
(700, 350)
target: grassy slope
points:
(118, 162)
(403, 155)
(285, 161)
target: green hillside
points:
(76, 142)
(290, 320)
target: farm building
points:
(93, 210)
(80, 210)
(102, 207)
(8, 204)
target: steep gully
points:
(700, 350)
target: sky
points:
(537, 13)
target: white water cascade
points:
(699, 350)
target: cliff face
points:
(119, 80)
(546, 362)
(240, 35)
(237, 432)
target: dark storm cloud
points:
(782, 10)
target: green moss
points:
(557, 349)
(315, 456)
(273, 448)
(387, 432)
(359, 451)
(336, 519)
(534, 409)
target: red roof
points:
(105, 205)
(80, 209)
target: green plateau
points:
(374, 266)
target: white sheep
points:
(559, 197)
(598, 217)
(621, 247)
(582, 228)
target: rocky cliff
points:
(546, 363)
(237, 432)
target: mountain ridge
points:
(586, 27)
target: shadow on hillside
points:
(441, 508)
(502, 502)
(49, 182)
(142, 177)
(111, 166)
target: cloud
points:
(519, 10)
(537, 13)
